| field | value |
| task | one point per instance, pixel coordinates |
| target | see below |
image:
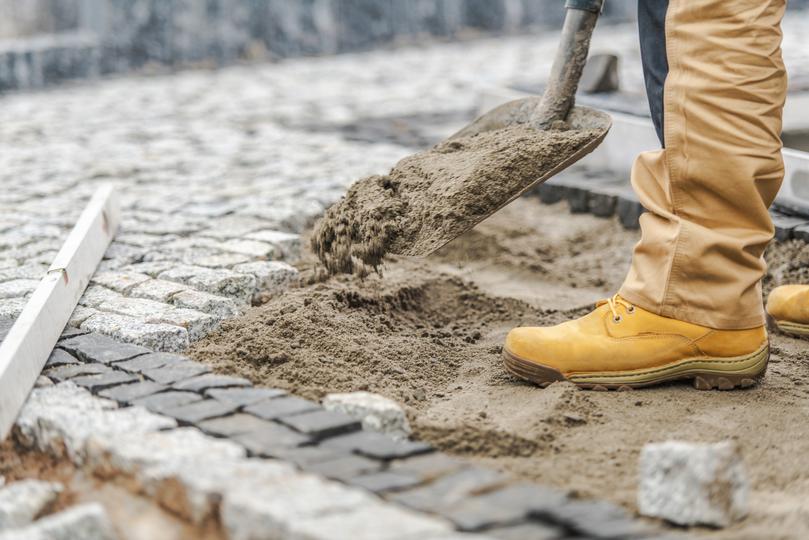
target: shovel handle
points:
(571, 56)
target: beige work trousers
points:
(707, 192)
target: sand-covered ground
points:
(428, 333)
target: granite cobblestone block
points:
(127, 393)
(265, 441)
(320, 424)
(175, 371)
(102, 381)
(447, 491)
(163, 401)
(149, 361)
(376, 445)
(197, 411)
(235, 424)
(209, 381)
(243, 397)
(158, 336)
(281, 406)
(343, 467)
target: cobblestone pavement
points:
(220, 171)
(265, 464)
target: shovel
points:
(456, 191)
(543, 113)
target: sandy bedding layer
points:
(428, 333)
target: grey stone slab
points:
(96, 383)
(64, 373)
(282, 406)
(193, 413)
(209, 381)
(172, 373)
(321, 424)
(98, 348)
(344, 467)
(596, 519)
(385, 481)
(244, 396)
(167, 400)
(140, 364)
(70, 332)
(127, 393)
(629, 212)
(551, 192)
(509, 505)
(60, 357)
(527, 531)
(602, 204)
(377, 445)
(235, 424)
(447, 491)
(306, 455)
(265, 442)
(784, 225)
(430, 466)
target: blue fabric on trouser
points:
(652, 29)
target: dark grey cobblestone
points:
(128, 393)
(266, 441)
(385, 481)
(196, 412)
(344, 467)
(164, 401)
(378, 446)
(320, 424)
(282, 406)
(235, 424)
(102, 381)
(60, 357)
(149, 361)
(175, 372)
(596, 519)
(98, 348)
(447, 491)
(243, 397)
(210, 381)
(64, 373)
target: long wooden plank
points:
(28, 344)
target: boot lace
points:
(613, 304)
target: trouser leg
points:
(716, 84)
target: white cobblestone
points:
(376, 412)
(158, 290)
(239, 287)
(218, 306)
(87, 521)
(273, 276)
(11, 308)
(65, 416)
(268, 512)
(157, 336)
(289, 245)
(95, 295)
(21, 502)
(17, 288)
(121, 282)
(81, 314)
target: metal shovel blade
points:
(430, 238)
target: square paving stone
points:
(321, 423)
(266, 441)
(527, 531)
(96, 383)
(198, 411)
(282, 406)
(64, 373)
(72, 331)
(596, 519)
(162, 401)
(385, 481)
(172, 373)
(61, 358)
(244, 396)
(344, 467)
(443, 493)
(306, 455)
(211, 380)
(149, 361)
(127, 393)
(235, 424)
(95, 347)
(509, 505)
(377, 445)
(430, 466)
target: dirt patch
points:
(431, 197)
(429, 335)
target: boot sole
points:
(706, 373)
(789, 328)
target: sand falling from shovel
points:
(431, 197)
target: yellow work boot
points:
(621, 346)
(788, 308)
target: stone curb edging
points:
(409, 476)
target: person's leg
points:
(691, 304)
(707, 192)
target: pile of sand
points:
(431, 197)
